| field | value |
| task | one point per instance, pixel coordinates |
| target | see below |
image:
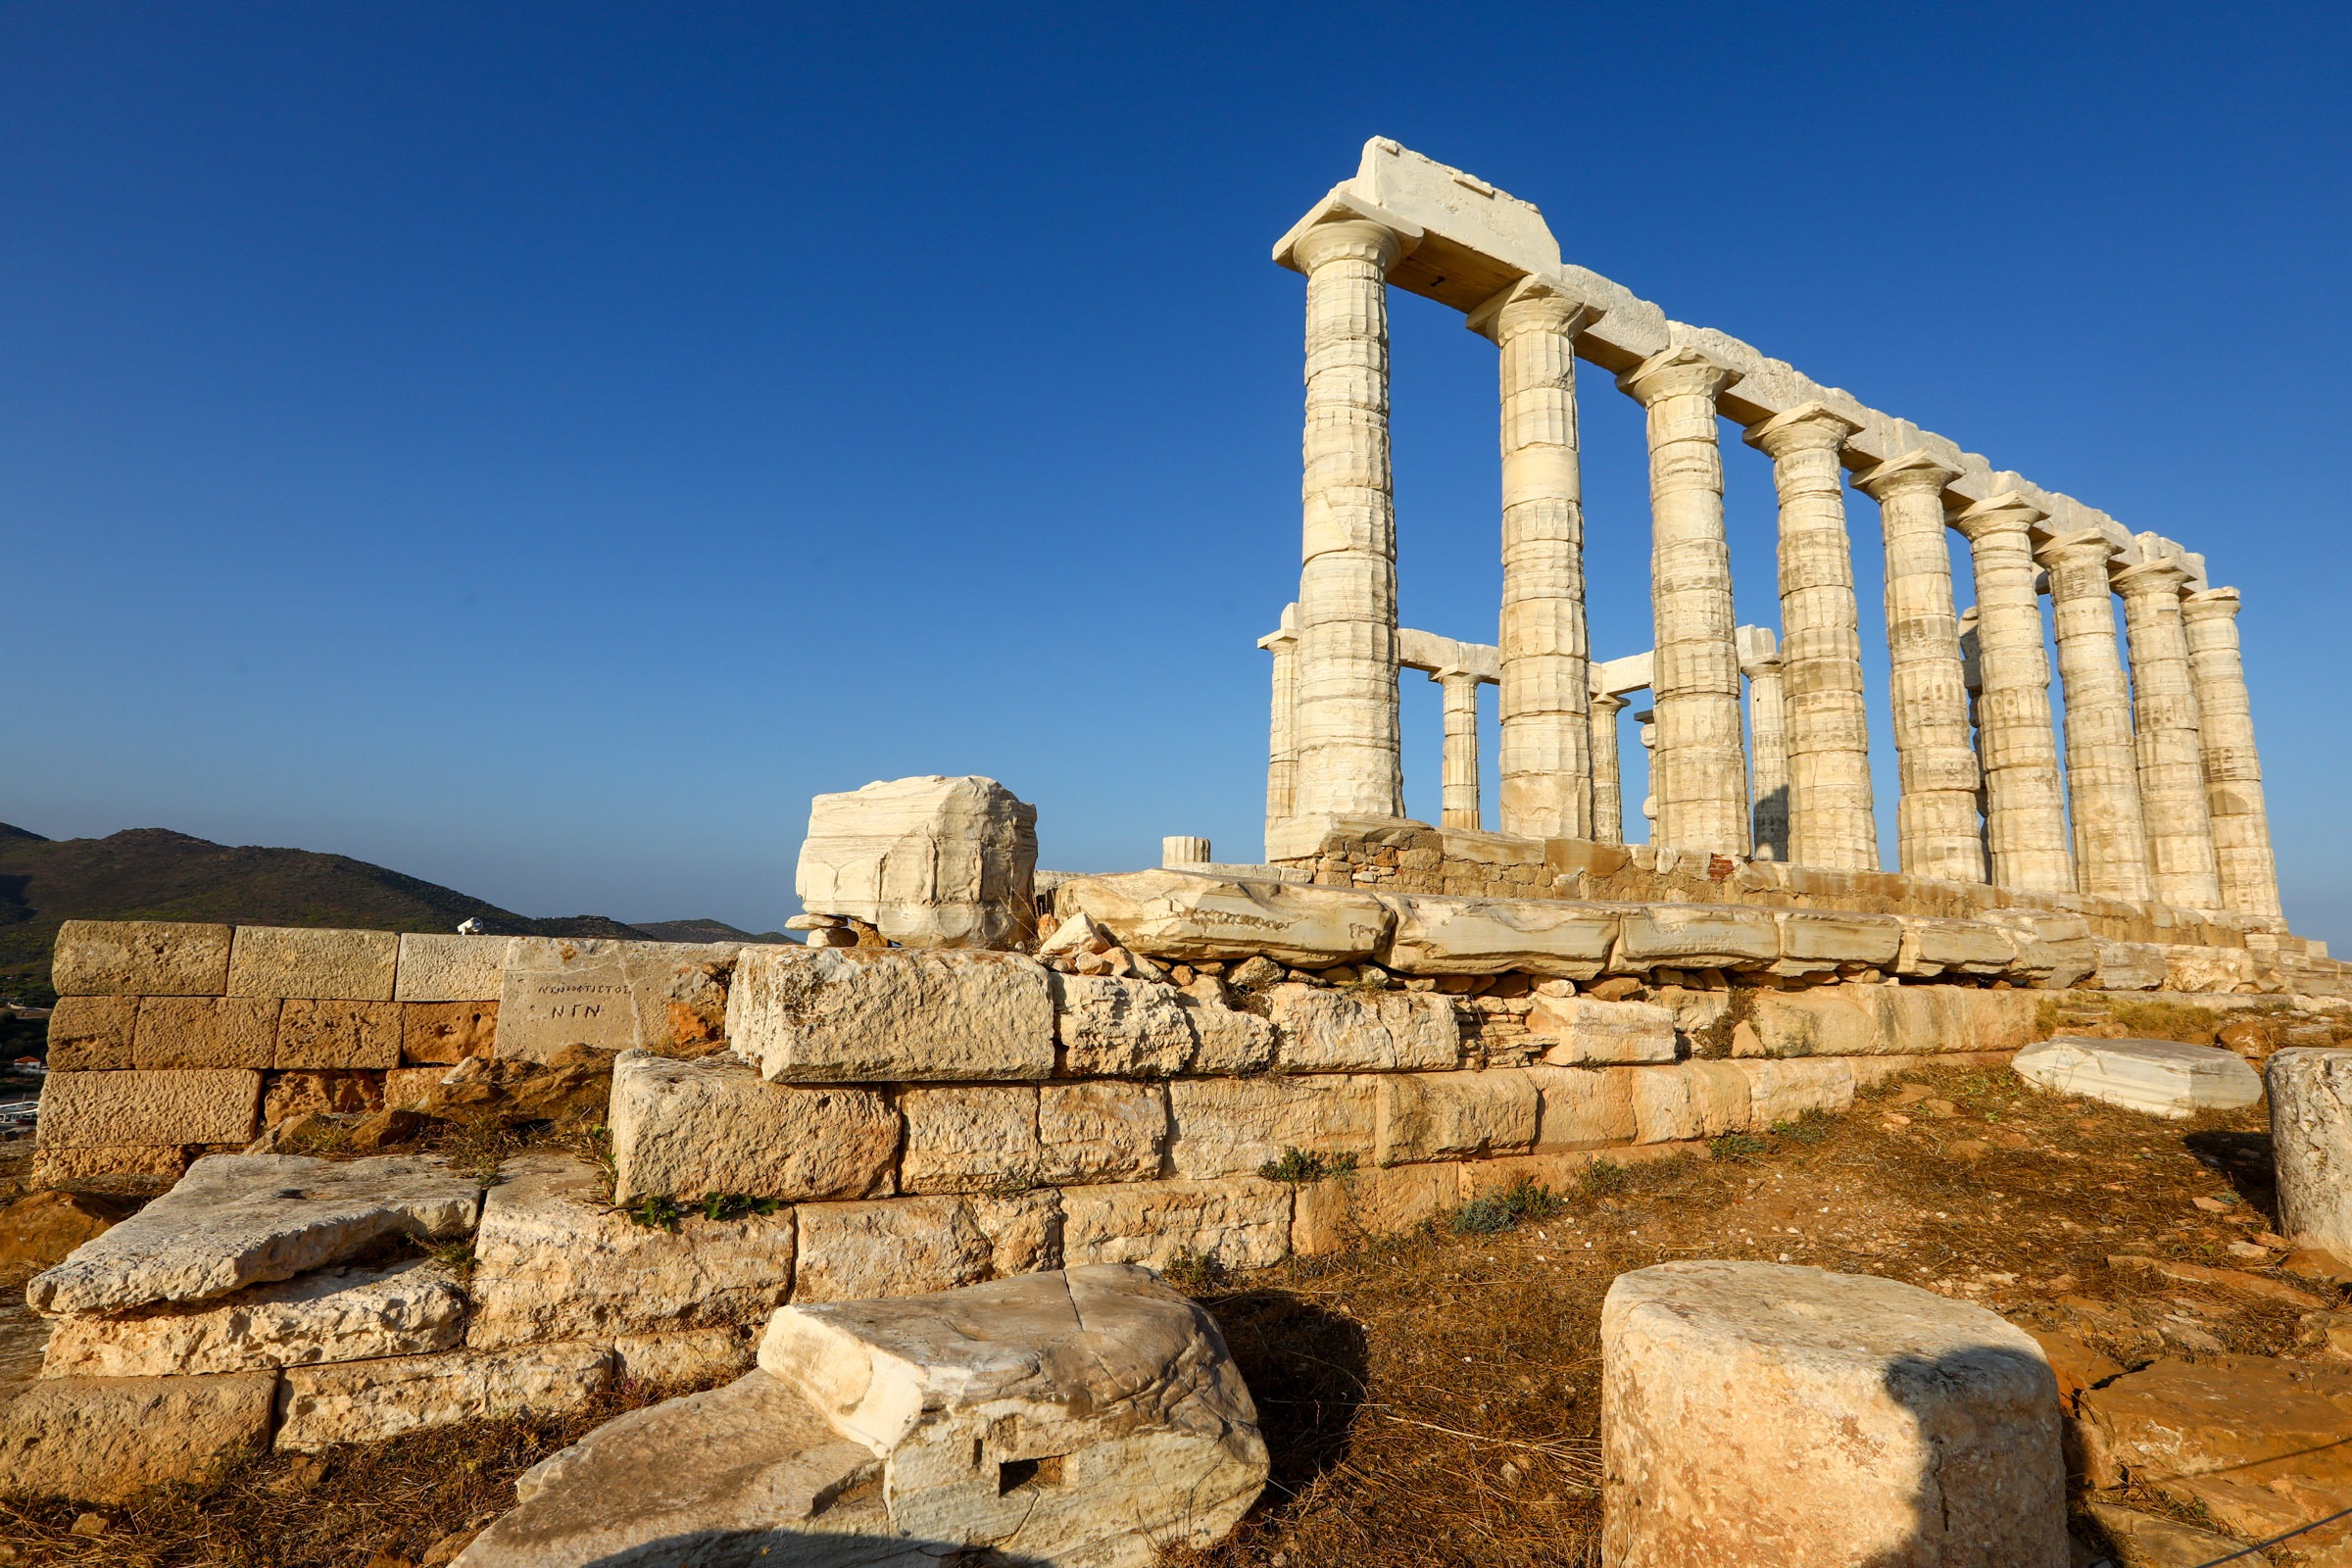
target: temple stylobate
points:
(1758, 743)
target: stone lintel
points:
(1428, 653)
(1582, 313)
(1632, 673)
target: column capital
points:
(1350, 239)
(1339, 210)
(2082, 545)
(1548, 304)
(2005, 514)
(2210, 603)
(1676, 370)
(1449, 674)
(2162, 576)
(1605, 703)
(1911, 473)
(1812, 426)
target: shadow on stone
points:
(2243, 1160)
(795, 1548)
(1991, 1488)
(1306, 1367)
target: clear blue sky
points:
(537, 447)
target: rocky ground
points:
(1433, 1399)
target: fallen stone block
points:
(446, 1033)
(1556, 939)
(108, 1110)
(902, 1246)
(928, 861)
(574, 1086)
(447, 968)
(105, 1440)
(748, 1473)
(556, 993)
(1325, 1029)
(2161, 1077)
(1840, 1419)
(324, 965)
(368, 1402)
(205, 1032)
(1184, 917)
(553, 1262)
(236, 1220)
(1233, 1126)
(91, 1034)
(1574, 1031)
(140, 958)
(333, 1314)
(685, 1128)
(2311, 1145)
(1821, 941)
(1090, 1416)
(882, 1016)
(1240, 1222)
(1120, 1028)
(1694, 936)
(338, 1033)
(1426, 1116)
(2128, 965)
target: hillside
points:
(151, 873)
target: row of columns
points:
(2160, 798)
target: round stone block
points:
(1757, 1415)
(2311, 1145)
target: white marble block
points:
(2162, 1077)
(929, 861)
(2311, 1145)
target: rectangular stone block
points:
(556, 992)
(338, 1033)
(1331, 1216)
(1584, 1108)
(1553, 938)
(316, 963)
(1241, 1222)
(105, 1440)
(1694, 936)
(91, 1034)
(157, 1166)
(368, 1402)
(1185, 916)
(891, 1015)
(1232, 1126)
(1327, 1029)
(901, 1247)
(685, 1128)
(2212, 971)
(2053, 951)
(1453, 1116)
(1819, 940)
(1121, 1028)
(1880, 1020)
(447, 968)
(1687, 1101)
(969, 1139)
(333, 1314)
(1102, 1132)
(410, 1087)
(2123, 966)
(1572, 1031)
(140, 958)
(553, 1262)
(1932, 946)
(445, 1033)
(108, 1110)
(288, 1095)
(1783, 1091)
(205, 1031)
(928, 861)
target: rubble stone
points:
(140, 958)
(1840, 1419)
(105, 1109)
(2161, 1077)
(860, 1015)
(104, 1440)
(368, 1402)
(1120, 1028)
(1319, 1029)
(324, 965)
(685, 1128)
(333, 1314)
(1227, 1039)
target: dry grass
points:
(1430, 1401)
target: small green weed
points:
(1524, 1199)
(1738, 1146)
(1810, 1128)
(1297, 1166)
(1194, 1272)
(654, 1214)
(733, 1206)
(1605, 1178)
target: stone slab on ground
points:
(741, 1473)
(236, 1220)
(1088, 1416)
(2149, 1540)
(2162, 1077)
(891, 1015)
(685, 1128)
(333, 1314)
(129, 1109)
(929, 861)
(1838, 1419)
(367, 1401)
(140, 958)
(103, 1440)
(554, 1262)
(2311, 1145)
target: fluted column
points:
(1698, 773)
(1767, 749)
(1608, 796)
(2241, 825)
(2167, 739)
(1936, 816)
(1347, 724)
(2102, 771)
(1547, 763)
(2025, 819)
(1282, 736)
(1457, 796)
(1830, 822)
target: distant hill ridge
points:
(151, 873)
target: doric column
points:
(2241, 825)
(1830, 817)
(1609, 797)
(1936, 816)
(2171, 750)
(1282, 738)
(1698, 775)
(1546, 764)
(1767, 749)
(1346, 726)
(1459, 787)
(2025, 819)
(2102, 771)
